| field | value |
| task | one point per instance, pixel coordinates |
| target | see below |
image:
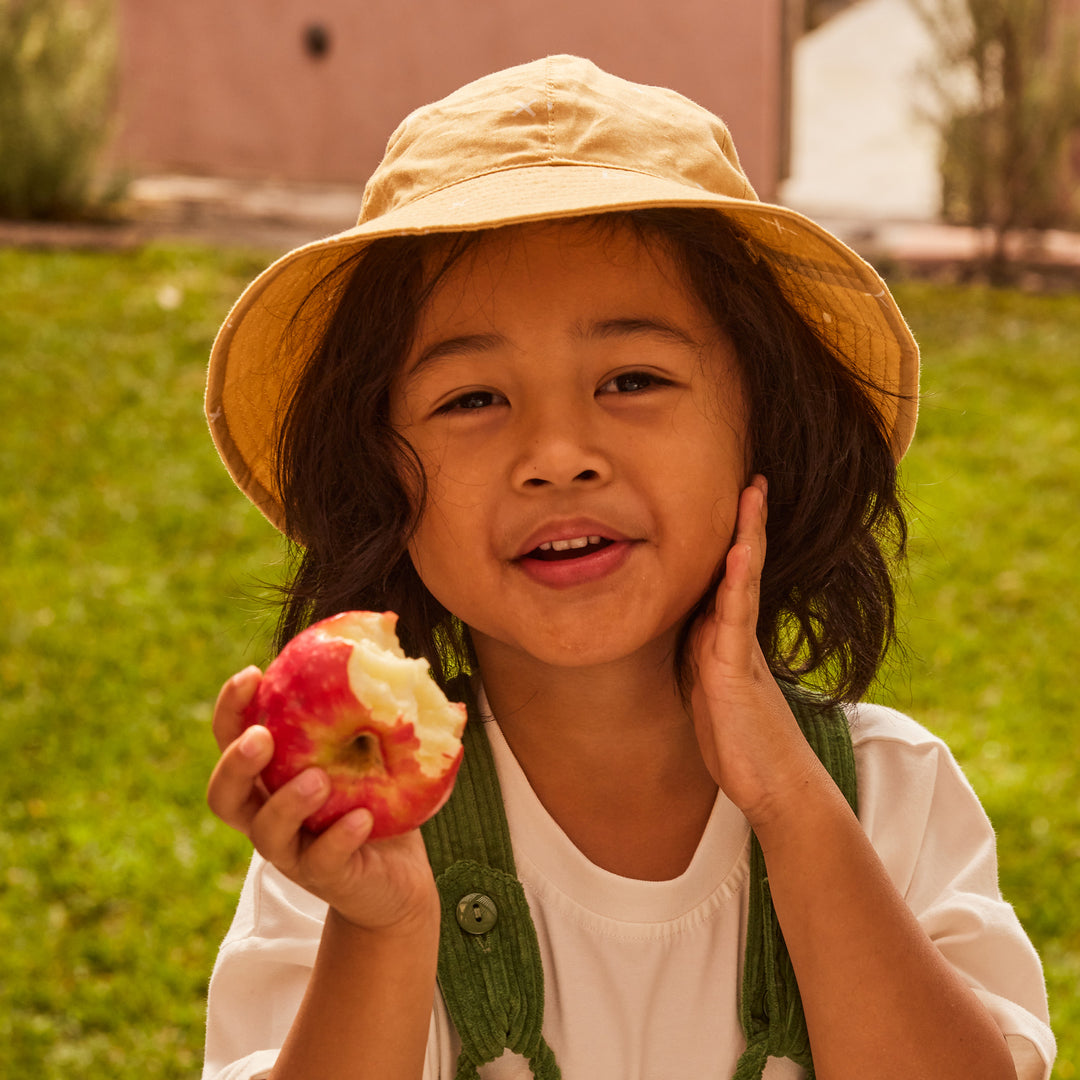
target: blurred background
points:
(154, 156)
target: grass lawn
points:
(131, 588)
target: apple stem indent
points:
(366, 751)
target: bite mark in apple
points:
(343, 696)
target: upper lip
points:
(567, 529)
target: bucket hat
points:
(554, 138)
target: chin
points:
(579, 650)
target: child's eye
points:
(472, 401)
(632, 382)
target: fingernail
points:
(251, 742)
(245, 676)
(357, 822)
(310, 782)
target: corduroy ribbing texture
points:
(493, 983)
(770, 1007)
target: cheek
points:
(446, 541)
(454, 476)
(434, 562)
(713, 474)
(446, 536)
(707, 519)
(724, 520)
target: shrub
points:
(57, 72)
(1007, 76)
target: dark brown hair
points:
(836, 529)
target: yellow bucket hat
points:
(554, 138)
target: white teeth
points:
(566, 545)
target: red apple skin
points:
(306, 702)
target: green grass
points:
(126, 585)
(130, 590)
(993, 621)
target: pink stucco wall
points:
(227, 87)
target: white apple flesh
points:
(343, 696)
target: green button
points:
(476, 913)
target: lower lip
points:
(565, 573)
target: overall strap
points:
(490, 972)
(770, 1008)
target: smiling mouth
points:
(559, 550)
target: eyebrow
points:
(633, 327)
(457, 346)
(603, 330)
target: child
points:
(547, 401)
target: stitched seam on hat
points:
(558, 162)
(844, 277)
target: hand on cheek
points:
(749, 739)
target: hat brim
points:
(840, 295)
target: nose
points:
(561, 447)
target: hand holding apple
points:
(384, 888)
(343, 696)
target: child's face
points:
(566, 386)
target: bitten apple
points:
(344, 697)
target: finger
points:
(276, 828)
(235, 792)
(235, 696)
(746, 558)
(736, 611)
(753, 514)
(734, 641)
(328, 854)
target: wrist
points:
(417, 924)
(806, 805)
(367, 1007)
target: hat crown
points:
(557, 138)
(558, 111)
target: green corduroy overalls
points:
(490, 971)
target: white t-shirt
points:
(642, 977)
